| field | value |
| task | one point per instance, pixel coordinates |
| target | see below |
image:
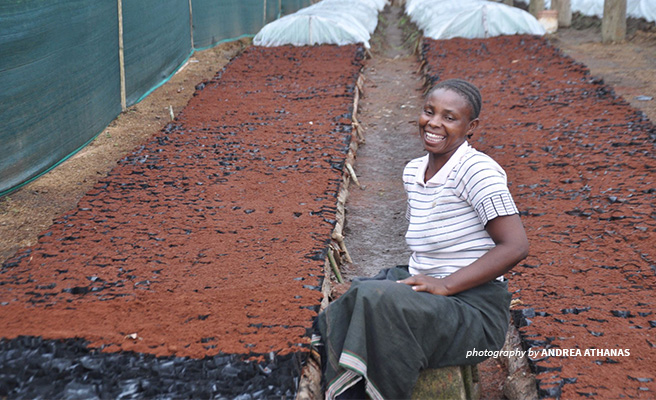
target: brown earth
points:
(210, 237)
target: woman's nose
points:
(434, 120)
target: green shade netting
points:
(216, 20)
(157, 40)
(291, 6)
(59, 83)
(59, 66)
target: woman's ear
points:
(472, 125)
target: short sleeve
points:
(496, 206)
(486, 189)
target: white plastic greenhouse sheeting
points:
(357, 12)
(339, 22)
(471, 19)
(595, 8)
(307, 30)
(424, 12)
(642, 9)
(375, 4)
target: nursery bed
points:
(206, 244)
(581, 165)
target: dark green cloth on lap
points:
(386, 332)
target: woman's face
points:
(444, 123)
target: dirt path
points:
(375, 221)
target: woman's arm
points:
(508, 234)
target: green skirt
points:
(385, 332)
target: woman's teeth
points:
(434, 138)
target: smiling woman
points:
(449, 117)
(465, 233)
(458, 199)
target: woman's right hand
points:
(425, 283)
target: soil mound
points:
(208, 240)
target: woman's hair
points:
(467, 90)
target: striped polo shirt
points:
(448, 213)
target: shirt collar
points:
(441, 176)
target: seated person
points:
(465, 233)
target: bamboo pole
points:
(191, 24)
(351, 171)
(121, 56)
(334, 266)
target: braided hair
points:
(467, 90)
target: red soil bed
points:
(581, 166)
(209, 238)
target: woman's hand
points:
(508, 234)
(425, 283)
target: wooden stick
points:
(421, 66)
(191, 24)
(121, 57)
(334, 266)
(339, 238)
(353, 176)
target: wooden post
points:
(191, 25)
(613, 23)
(448, 383)
(535, 6)
(564, 8)
(121, 58)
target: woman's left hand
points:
(425, 283)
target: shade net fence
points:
(69, 67)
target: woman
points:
(465, 233)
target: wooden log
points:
(613, 23)
(535, 6)
(520, 384)
(564, 8)
(452, 383)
